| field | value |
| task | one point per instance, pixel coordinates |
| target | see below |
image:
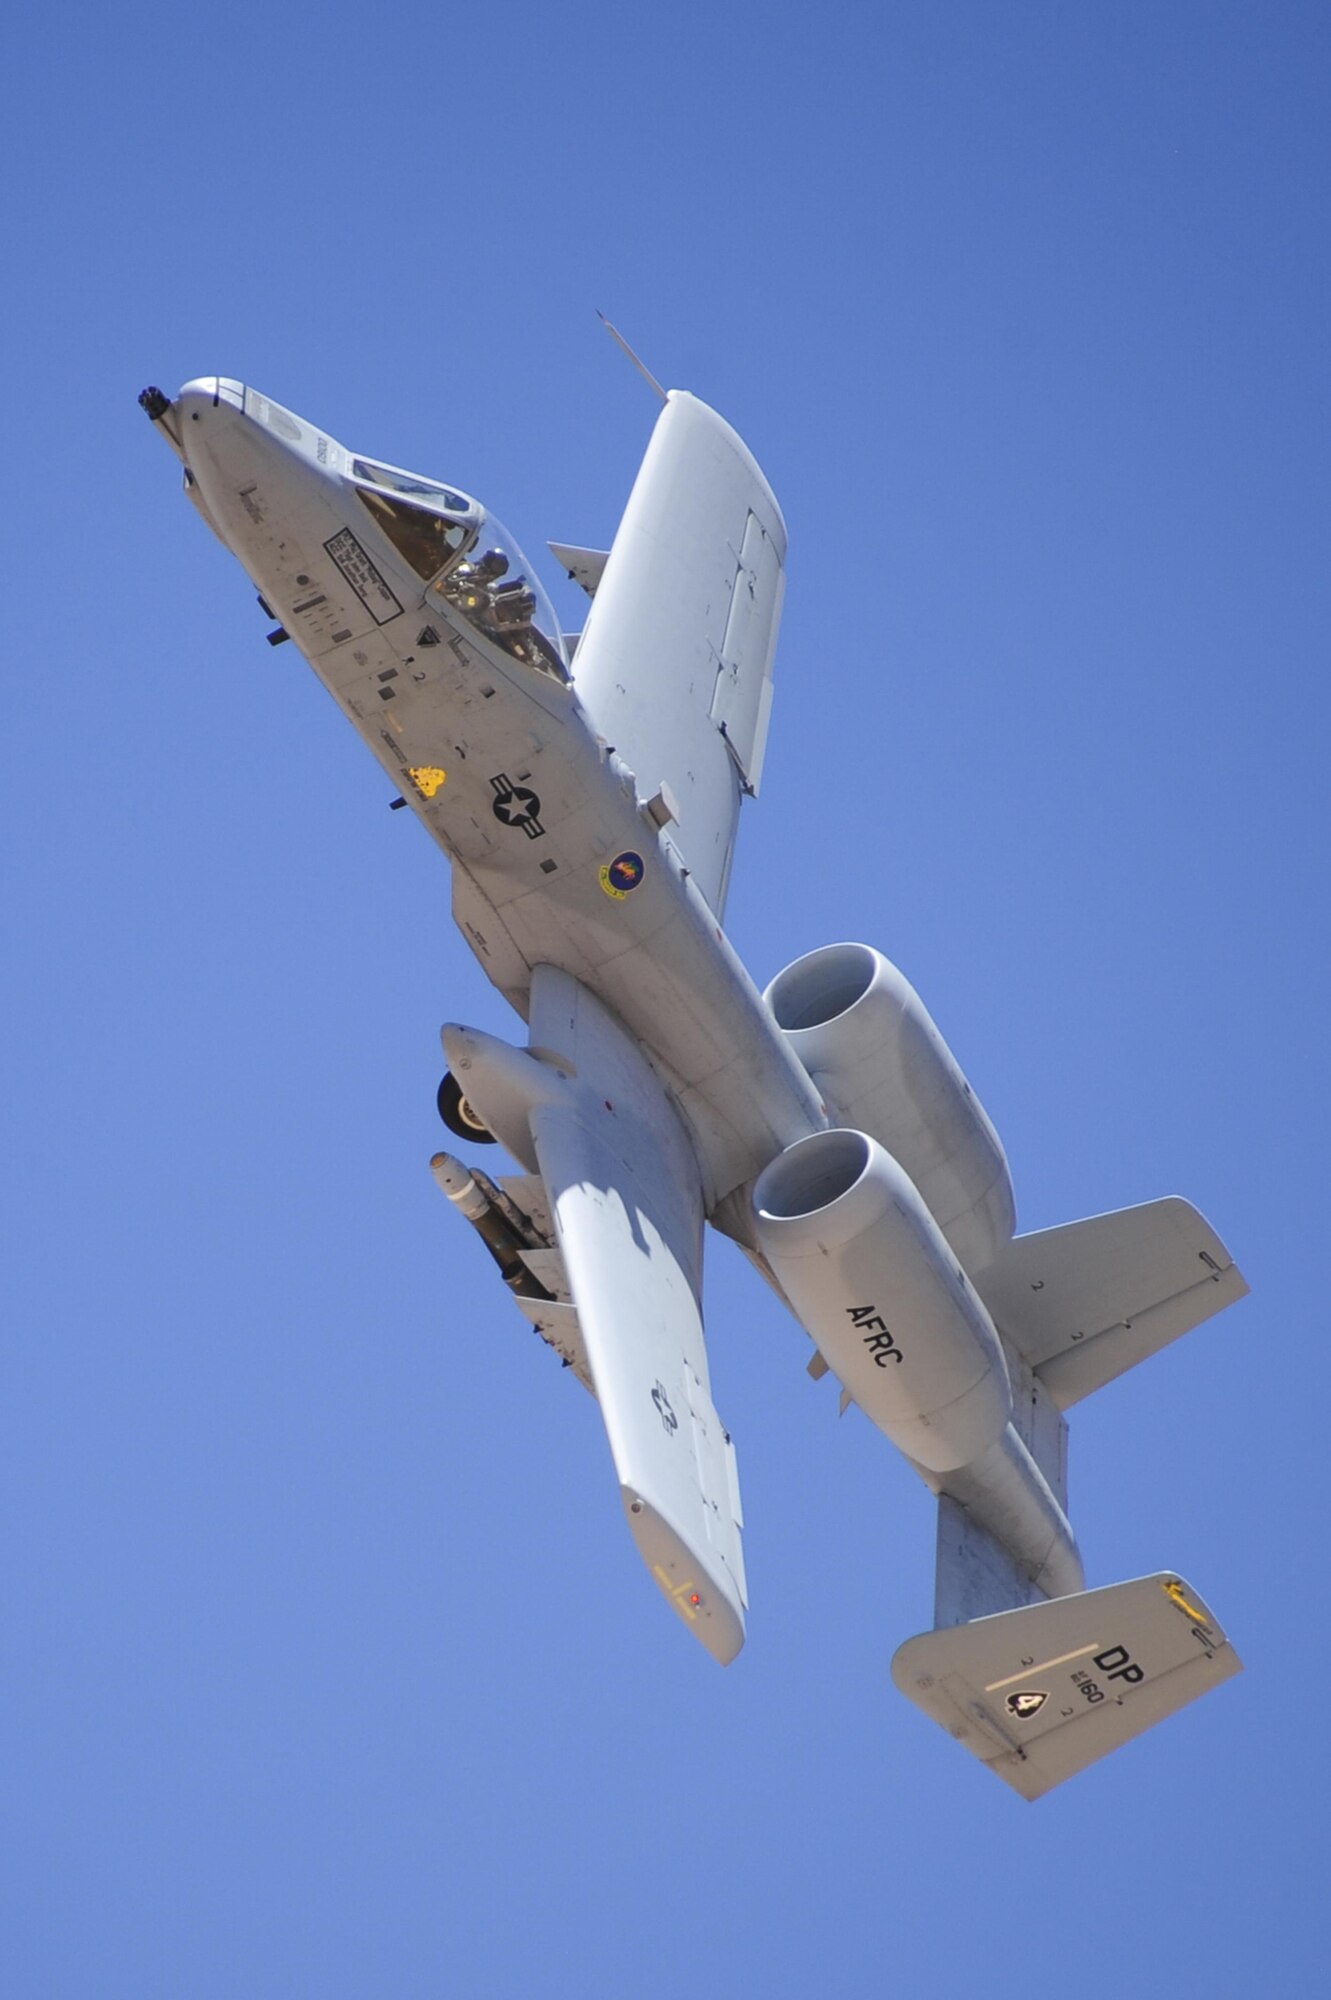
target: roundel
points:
(620, 877)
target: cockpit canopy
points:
(468, 559)
(394, 481)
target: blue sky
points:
(328, 1668)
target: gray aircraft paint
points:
(590, 819)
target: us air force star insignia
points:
(1026, 1703)
(516, 806)
(669, 1421)
(620, 877)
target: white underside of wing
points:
(674, 665)
(625, 1196)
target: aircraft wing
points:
(674, 665)
(625, 1196)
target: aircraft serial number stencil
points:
(363, 577)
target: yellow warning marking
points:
(1043, 1667)
(427, 778)
(678, 1594)
(1174, 1591)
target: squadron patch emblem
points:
(1025, 1703)
(620, 877)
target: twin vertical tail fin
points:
(1039, 1693)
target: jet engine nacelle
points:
(870, 1045)
(868, 1271)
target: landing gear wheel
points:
(458, 1115)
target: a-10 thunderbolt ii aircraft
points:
(586, 793)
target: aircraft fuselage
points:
(556, 858)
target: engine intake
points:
(870, 1045)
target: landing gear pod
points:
(871, 1277)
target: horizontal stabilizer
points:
(1040, 1693)
(1087, 1301)
(584, 566)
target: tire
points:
(458, 1115)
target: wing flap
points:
(1039, 1693)
(741, 700)
(556, 1320)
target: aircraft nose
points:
(208, 409)
(231, 437)
(212, 397)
